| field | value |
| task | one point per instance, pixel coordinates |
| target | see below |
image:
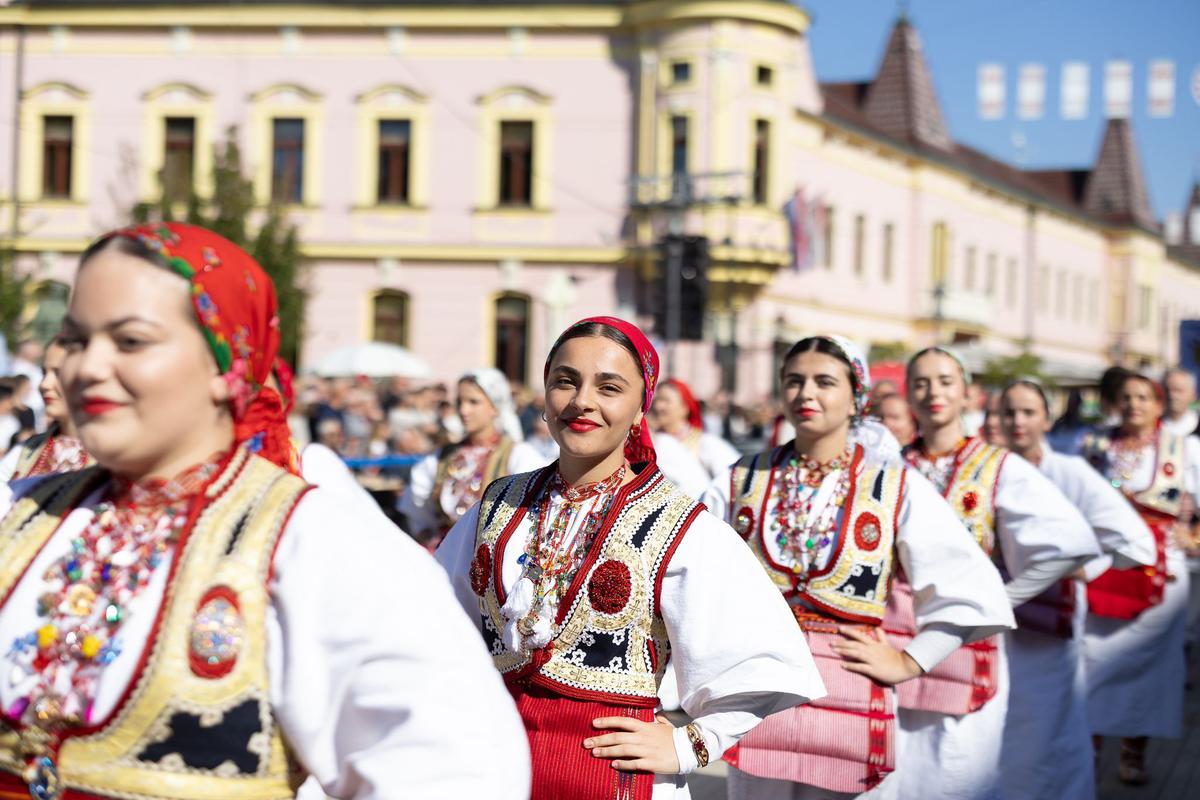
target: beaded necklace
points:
(465, 473)
(61, 453)
(1125, 455)
(803, 529)
(937, 468)
(88, 593)
(554, 553)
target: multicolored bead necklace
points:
(1125, 454)
(88, 594)
(937, 468)
(465, 473)
(803, 530)
(554, 554)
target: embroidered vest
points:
(971, 490)
(854, 585)
(196, 722)
(497, 466)
(610, 642)
(1166, 489)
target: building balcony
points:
(959, 307)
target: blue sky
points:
(848, 38)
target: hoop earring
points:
(635, 431)
(544, 417)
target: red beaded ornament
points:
(610, 587)
(480, 568)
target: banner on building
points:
(990, 90)
(1118, 89)
(1160, 88)
(1073, 94)
(799, 219)
(1031, 91)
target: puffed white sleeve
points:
(737, 651)
(380, 684)
(679, 466)
(1119, 529)
(1191, 475)
(716, 496)
(958, 595)
(524, 458)
(455, 554)
(716, 454)
(1037, 524)
(417, 504)
(322, 467)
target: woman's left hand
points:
(637, 745)
(872, 655)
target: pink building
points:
(469, 177)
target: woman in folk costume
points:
(56, 450)
(588, 574)
(1047, 751)
(445, 484)
(1137, 621)
(953, 718)
(676, 414)
(187, 620)
(830, 516)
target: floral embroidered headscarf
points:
(235, 304)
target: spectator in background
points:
(331, 434)
(894, 412)
(991, 430)
(9, 425)
(23, 391)
(976, 409)
(1068, 431)
(27, 361)
(1180, 419)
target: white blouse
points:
(1120, 531)
(377, 680)
(735, 662)
(954, 584)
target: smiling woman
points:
(167, 639)
(832, 518)
(587, 575)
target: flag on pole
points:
(1118, 89)
(799, 220)
(820, 231)
(989, 91)
(1031, 91)
(1160, 88)
(1074, 90)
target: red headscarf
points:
(638, 447)
(235, 304)
(695, 418)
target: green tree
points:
(888, 351)
(999, 372)
(275, 245)
(13, 288)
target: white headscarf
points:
(493, 383)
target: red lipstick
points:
(95, 406)
(581, 425)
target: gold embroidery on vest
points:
(231, 545)
(636, 624)
(972, 491)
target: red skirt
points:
(1126, 593)
(965, 681)
(562, 767)
(843, 742)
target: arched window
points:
(50, 306)
(389, 317)
(512, 335)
